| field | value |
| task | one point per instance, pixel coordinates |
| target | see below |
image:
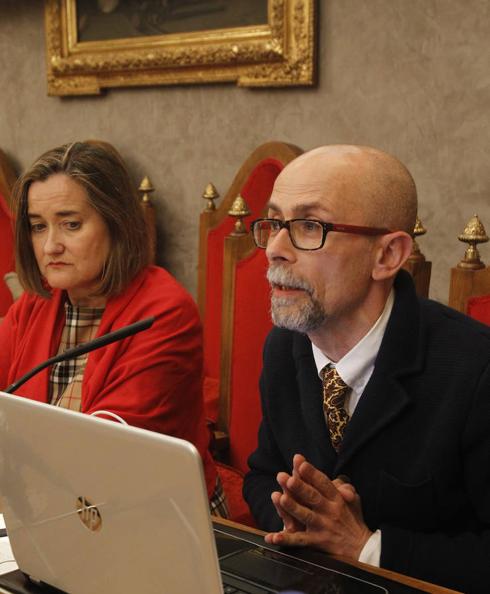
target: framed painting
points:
(97, 44)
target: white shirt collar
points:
(356, 366)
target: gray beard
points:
(305, 316)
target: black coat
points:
(417, 447)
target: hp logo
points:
(89, 514)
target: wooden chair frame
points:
(236, 249)
(470, 278)
(237, 246)
(7, 177)
(467, 283)
(417, 265)
(211, 218)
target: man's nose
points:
(280, 246)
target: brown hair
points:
(100, 170)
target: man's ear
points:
(392, 252)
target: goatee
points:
(301, 314)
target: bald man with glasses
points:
(375, 438)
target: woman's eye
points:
(73, 225)
(37, 227)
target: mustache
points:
(279, 275)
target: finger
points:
(342, 479)
(302, 514)
(285, 482)
(318, 480)
(347, 490)
(295, 490)
(290, 524)
(289, 539)
(298, 459)
(282, 479)
(303, 493)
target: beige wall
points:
(408, 76)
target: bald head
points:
(371, 187)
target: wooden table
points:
(376, 575)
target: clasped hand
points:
(318, 512)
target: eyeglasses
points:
(305, 234)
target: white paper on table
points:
(7, 562)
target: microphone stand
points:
(86, 347)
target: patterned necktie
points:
(334, 392)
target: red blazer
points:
(152, 380)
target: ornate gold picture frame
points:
(280, 52)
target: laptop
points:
(95, 507)
(92, 506)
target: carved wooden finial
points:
(473, 234)
(210, 194)
(418, 230)
(239, 209)
(146, 188)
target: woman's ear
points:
(392, 252)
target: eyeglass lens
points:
(305, 234)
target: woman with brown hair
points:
(82, 257)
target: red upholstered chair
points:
(479, 307)
(7, 178)
(469, 290)
(233, 297)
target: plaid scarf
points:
(65, 381)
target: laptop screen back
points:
(92, 506)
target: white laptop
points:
(93, 506)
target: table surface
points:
(355, 568)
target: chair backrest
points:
(7, 176)
(469, 289)
(233, 298)
(7, 179)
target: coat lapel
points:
(400, 355)
(383, 400)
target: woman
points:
(82, 256)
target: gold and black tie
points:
(334, 393)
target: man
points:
(389, 461)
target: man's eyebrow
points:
(299, 209)
(60, 213)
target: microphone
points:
(86, 347)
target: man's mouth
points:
(276, 286)
(282, 282)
